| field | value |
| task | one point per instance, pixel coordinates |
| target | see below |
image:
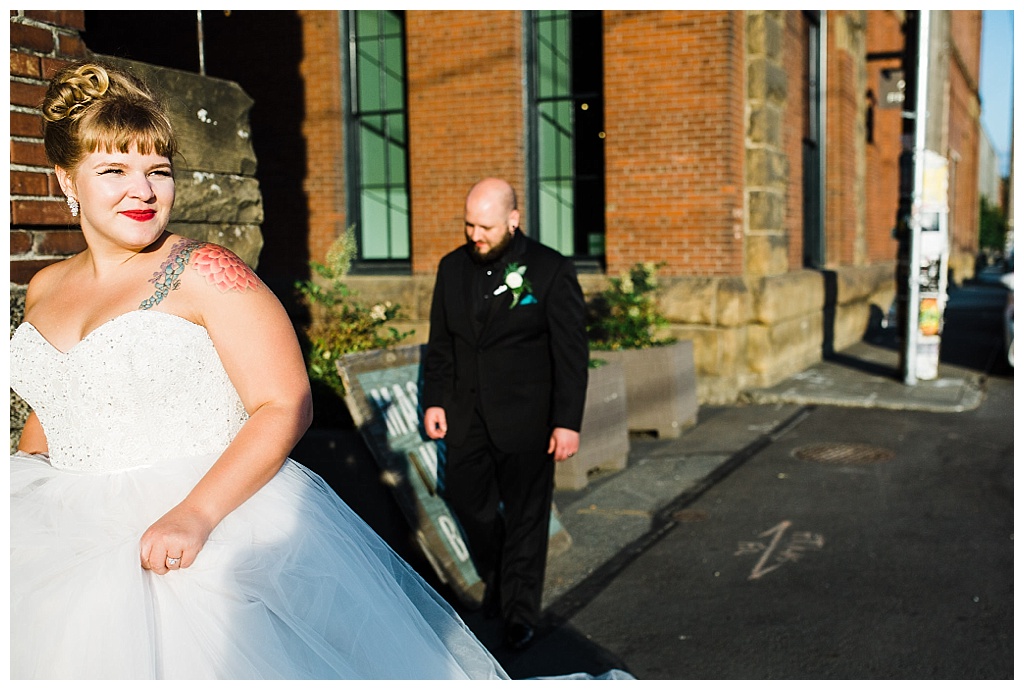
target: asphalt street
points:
(855, 543)
(894, 562)
(784, 539)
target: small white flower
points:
(627, 285)
(378, 312)
(514, 280)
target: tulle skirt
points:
(292, 584)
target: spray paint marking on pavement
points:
(792, 549)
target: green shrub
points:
(625, 315)
(340, 323)
(992, 226)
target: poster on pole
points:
(932, 216)
(382, 395)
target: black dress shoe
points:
(518, 635)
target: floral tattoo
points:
(219, 266)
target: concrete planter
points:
(604, 438)
(661, 387)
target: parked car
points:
(1007, 280)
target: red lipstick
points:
(140, 216)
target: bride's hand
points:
(174, 541)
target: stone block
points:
(708, 355)
(734, 302)
(764, 33)
(688, 300)
(604, 436)
(767, 167)
(786, 296)
(764, 125)
(782, 348)
(202, 197)
(767, 210)
(851, 321)
(661, 387)
(401, 290)
(859, 283)
(767, 254)
(767, 81)
(210, 118)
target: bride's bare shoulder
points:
(218, 266)
(46, 280)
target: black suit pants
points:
(503, 502)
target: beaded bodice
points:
(143, 387)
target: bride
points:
(158, 529)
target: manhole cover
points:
(690, 515)
(844, 453)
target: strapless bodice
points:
(143, 387)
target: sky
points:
(996, 87)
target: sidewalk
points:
(617, 513)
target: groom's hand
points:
(564, 443)
(435, 422)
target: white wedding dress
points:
(292, 584)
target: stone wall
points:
(767, 165)
(747, 333)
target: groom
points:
(505, 378)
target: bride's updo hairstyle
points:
(92, 107)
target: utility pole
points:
(201, 39)
(922, 218)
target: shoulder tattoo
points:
(219, 266)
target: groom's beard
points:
(492, 254)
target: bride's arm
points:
(33, 440)
(260, 352)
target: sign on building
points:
(891, 88)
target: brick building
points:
(753, 153)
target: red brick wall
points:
(882, 183)
(674, 152)
(794, 130)
(323, 128)
(675, 121)
(465, 86)
(42, 229)
(964, 112)
(844, 102)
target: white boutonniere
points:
(516, 281)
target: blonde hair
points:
(90, 107)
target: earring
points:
(73, 205)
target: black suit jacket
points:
(524, 368)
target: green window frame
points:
(566, 151)
(377, 142)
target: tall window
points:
(567, 130)
(377, 139)
(813, 143)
